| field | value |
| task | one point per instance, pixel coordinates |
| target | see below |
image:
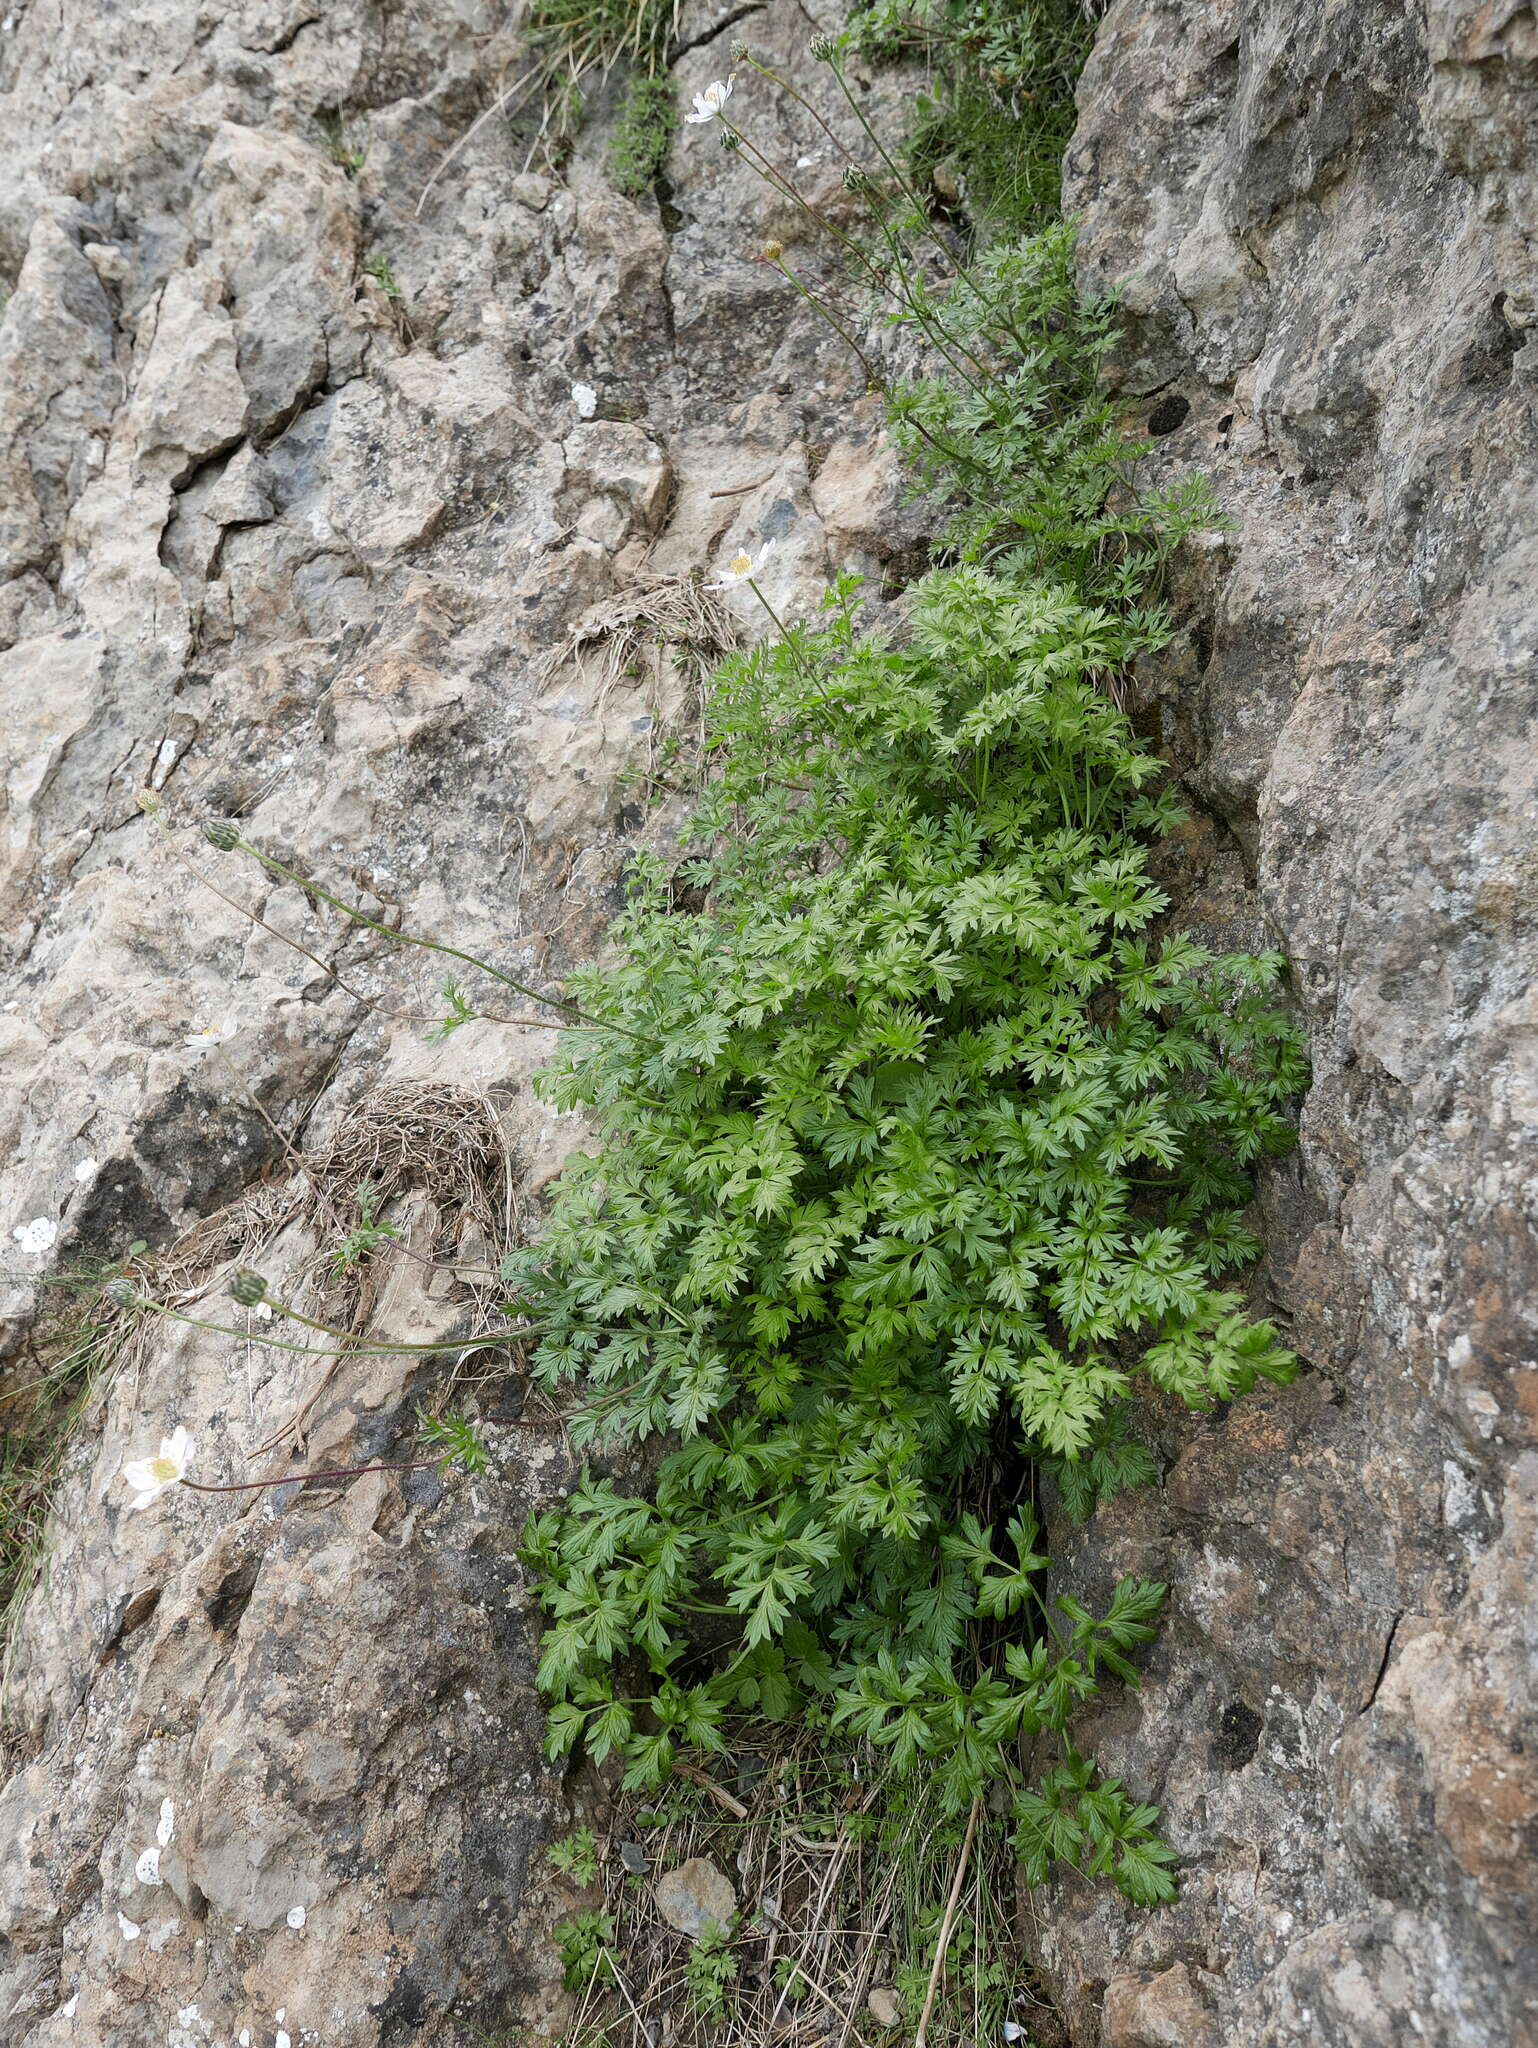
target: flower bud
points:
(730, 139)
(856, 178)
(248, 1288)
(739, 51)
(222, 833)
(121, 1292)
(823, 48)
(773, 251)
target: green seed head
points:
(823, 48)
(730, 138)
(248, 1288)
(739, 51)
(856, 178)
(221, 833)
(121, 1293)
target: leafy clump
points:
(643, 134)
(711, 1971)
(576, 1855)
(367, 1235)
(991, 130)
(585, 1944)
(922, 1146)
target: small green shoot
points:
(382, 271)
(458, 1439)
(711, 1970)
(367, 1235)
(576, 1855)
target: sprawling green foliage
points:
(922, 1145)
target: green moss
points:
(643, 135)
(582, 32)
(990, 134)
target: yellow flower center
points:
(741, 564)
(165, 1470)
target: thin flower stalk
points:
(879, 275)
(400, 938)
(356, 995)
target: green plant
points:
(990, 132)
(643, 133)
(457, 1440)
(585, 1944)
(576, 1855)
(382, 271)
(920, 1145)
(366, 1235)
(711, 1971)
(580, 33)
(38, 1417)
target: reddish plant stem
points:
(346, 1472)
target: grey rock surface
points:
(363, 569)
(1327, 221)
(304, 518)
(695, 1896)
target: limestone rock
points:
(695, 1895)
(884, 2006)
(280, 545)
(1326, 218)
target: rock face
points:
(355, 480)
(352, 476)
(1328, 220)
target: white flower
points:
(712, 101)
(742, 568)
(585, 399)
(149, 1477)
(211, 1034)
(84, 1168)
(38, 1236)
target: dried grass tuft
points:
(843, 1873)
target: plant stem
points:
(943, 1942)
(373, 924)
(300, 1478)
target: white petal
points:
(139, 1473)
(36, 1236)
(145, 1500)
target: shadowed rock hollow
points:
(361, 500)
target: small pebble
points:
(884, 2007)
